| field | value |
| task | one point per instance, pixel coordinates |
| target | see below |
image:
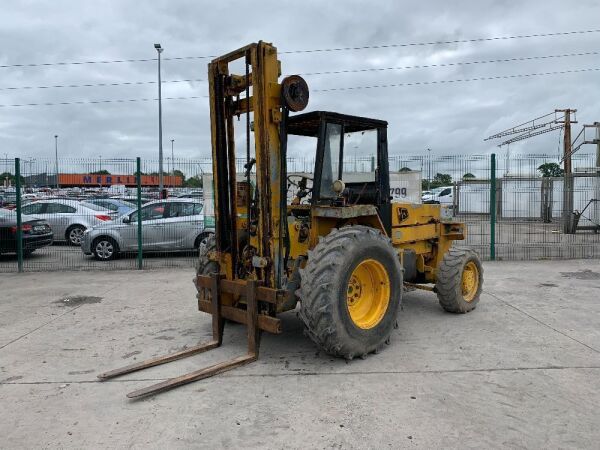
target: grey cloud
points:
(449, 118)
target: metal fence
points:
(511, 210)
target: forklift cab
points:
(351, 161)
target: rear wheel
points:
(350, 291)
(74, 234)
(459, 280)
(201, 239)
(105, 249)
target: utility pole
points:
(567, 215)
(161, 186)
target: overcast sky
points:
(449, 118)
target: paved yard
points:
(522, 370)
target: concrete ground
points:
(521, 371)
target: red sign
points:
(75, 179)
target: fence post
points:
(493, 208)
(19, 218)
(138, 172)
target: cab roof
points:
(307, 124)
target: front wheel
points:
(105, 249)
(459, 280)
(350, 291)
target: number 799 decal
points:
(398, 192)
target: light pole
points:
(172, 165)
(100, 172)
(30, 162)
(429, 170)
(56, 158)
(159, 49)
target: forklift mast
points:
(256, 91)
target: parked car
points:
(68, 218)
(197, 194)
(168, 225)
(8, 200)
(120, 207)
(133, 200)
(36, 233)
(442, 195)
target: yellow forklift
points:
(341, 249)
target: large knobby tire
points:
(350, 291)
(459, 280)
(205, 266)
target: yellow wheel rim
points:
(368, 293)
(470, 281)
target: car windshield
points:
(132, 201)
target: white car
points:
(442, 195)
(68, 218)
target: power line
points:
(317, 50)
(376, 86)
(372, 69)
(455, 41)
(465, 63)
(125, 83)
(464, 80)
(93, 102)
(112, 61)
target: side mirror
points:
(126, 219)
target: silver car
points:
(167, 225)
(68, 218)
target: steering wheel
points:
(300, 182)
(296, 183)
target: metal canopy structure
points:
(559, 119)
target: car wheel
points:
(105, 249)
(75, 234)
(202, 239)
